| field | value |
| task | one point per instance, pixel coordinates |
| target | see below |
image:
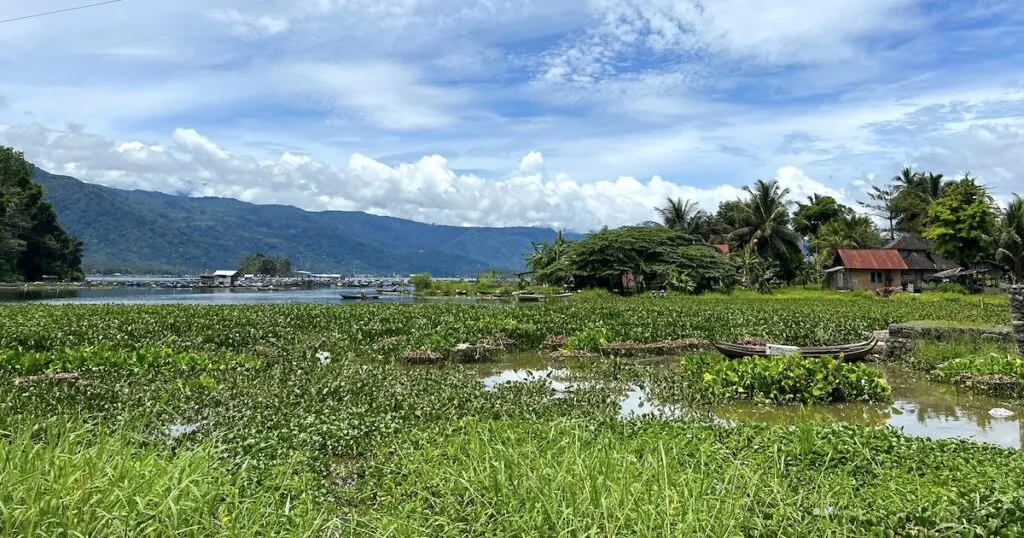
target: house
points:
(866, 269)
(922, 263)
(220, 279)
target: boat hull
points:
(849, 352)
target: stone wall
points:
(904, 336)
(1017, 316)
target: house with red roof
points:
(866, 269)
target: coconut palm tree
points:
(685, 217)
(764, 222)
(931, 186)
(1009, 237)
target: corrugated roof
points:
(879, 259)
(910, 242)
(225, 272)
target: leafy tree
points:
(818, 210)
(764, 225)
(421, 281)
(962, 222)
(261, 264)
(915, 192)
(648, 254)
(883, 204)
(32, 243)
(1009, 238)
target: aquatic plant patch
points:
(792, 378)
(389, 330)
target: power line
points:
(56, 11)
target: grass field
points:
(228, 421)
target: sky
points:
(571, 114)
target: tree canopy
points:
(652, 255)
(32, 243)
(962, 221)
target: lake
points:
(185, 296)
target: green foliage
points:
(883, 204)
(588, 340)
(1001, 364)
(258, 263)
(646, 479)
(650, 254)
(549, 261)
(686, 218)
(1009, 238)
(32, 244)
(764, 227)
(962, 221)
(817, 212)
(805, 318)
(288, 444)
(793, 378)
(421, 281)
(950, 287)
(61, 479)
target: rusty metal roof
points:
(878, 259)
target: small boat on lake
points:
(529, 297)
(561, 296)
(358, 297)
(850, 352)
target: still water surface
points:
(919, 407)
(193, 296)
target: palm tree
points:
(685, 217)
(764, 222)
(853, 231)
(1009, 237)
(906, 180)
(931, 186)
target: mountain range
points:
(134, 230)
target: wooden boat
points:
(561, 296)
(528, 297)
(358, 297)
(850, 352)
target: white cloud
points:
(249, 26)
(786, 33)
(389, 95)
(426, 190)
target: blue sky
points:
(569, 113)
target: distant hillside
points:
(150, 231)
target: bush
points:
(951, 287)
(421, 281)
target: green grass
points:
(364, 446)
(72, 479)
(686, 479)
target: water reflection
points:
(919, 407)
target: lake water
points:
(186, 296)
(919, 407)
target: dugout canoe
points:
(850, 352)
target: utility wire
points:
(56, 11)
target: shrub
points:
(951, 287)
